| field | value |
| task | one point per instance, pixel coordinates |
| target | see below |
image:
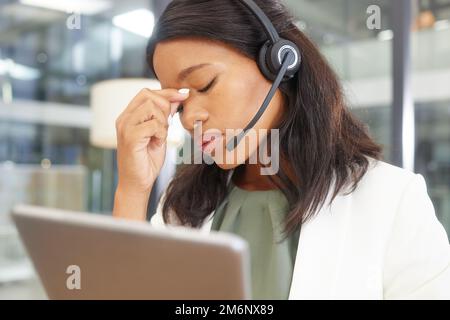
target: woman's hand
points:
(141, 148)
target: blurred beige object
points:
(109, 99)
(55, 186)
(424, 20)
(46, 185)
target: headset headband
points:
(270, 30)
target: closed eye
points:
(204, 90)
(209, 86)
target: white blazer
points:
(383, 241)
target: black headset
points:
(279, 60)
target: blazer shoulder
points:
(384, 178)
(384, 187)
(381, 171)
(414, 247)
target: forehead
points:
(173, 56)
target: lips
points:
(208, 140)
(205, 143)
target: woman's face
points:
(226, 90)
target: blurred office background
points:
(51, 57)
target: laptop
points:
(86, 256)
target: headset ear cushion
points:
(263, 62)
(278, 51)
(269, 59)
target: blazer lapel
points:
(206, 227)
(320, 252)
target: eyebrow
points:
(186, 72)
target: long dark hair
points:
(325, 146)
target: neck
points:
(248, 177)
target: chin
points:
(238, 157)
(227, 167)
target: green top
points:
(258, 217)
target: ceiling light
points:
(84, 7)
(140, 22)
(18, 71)
(442, 25)
(385, 35)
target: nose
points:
(191, 115)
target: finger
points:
(147, 112)
(175, 100)
(151, 130)
(169, 95)
(173, 95)
(142, 96)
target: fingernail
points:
(184, 91)
(170, 120)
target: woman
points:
(334, 221)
